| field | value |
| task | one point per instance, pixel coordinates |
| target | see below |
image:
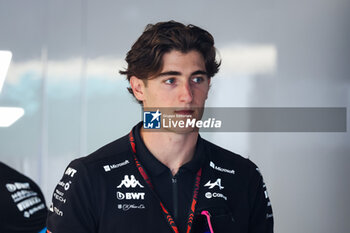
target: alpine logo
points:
(130, 182)
(216, 183)
(130, 196)
(211, 164)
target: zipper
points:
(175, 197)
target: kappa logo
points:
(216, 183)
(212, 164)
(130, 182)
(130, 196)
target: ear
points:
(138, 87)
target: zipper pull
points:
(208, 216)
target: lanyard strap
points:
(166, 213)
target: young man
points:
(171, 180)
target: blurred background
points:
(65, 98)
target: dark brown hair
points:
(145, 57)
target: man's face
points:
(182, 84)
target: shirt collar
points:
(153, 166)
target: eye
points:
(198, 79)
(169, 81)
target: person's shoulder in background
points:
(22, 204)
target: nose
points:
(186, 93)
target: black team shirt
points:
(106, 192)
(175, 192)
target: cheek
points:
(201, 93)
(157, 97)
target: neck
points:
(171, 149)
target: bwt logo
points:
(151, 120)
(130, 196)
(70, 172)
(16, 186)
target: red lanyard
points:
(165, 211)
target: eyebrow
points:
(176, 73)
